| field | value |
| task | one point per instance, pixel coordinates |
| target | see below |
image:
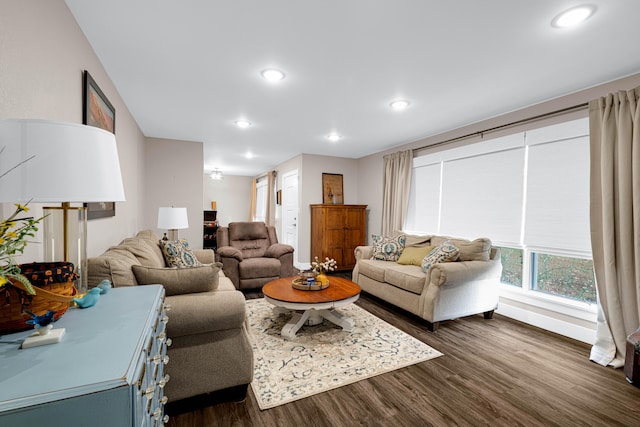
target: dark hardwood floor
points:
(496, 372)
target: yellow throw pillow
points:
(413, 255)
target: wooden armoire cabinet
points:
(335, 232)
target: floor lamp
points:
(57, 162)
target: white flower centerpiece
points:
(329, 264)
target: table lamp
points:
(172, 219)
(57, 162)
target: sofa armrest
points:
(230, 252)
(363, 252)
(205, 256)
(452, 273)
(203, 312)
(277, 250)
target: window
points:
(511, 266)
(261, 200)
(563, 276)
(529, 193)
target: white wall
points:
(173, 178)
(43, 53)
(310, 187)
(232, 196)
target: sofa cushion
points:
(408, 277)
(476, 250)
(114, 265)
(444, 252)
(254, 268)
(143, 251)
(373, 269)
(152, 240)
(178, 253)
(387, 248)
(413, 240)
(413, 255)
(178, 281)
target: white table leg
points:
(291, 328)
(338, 318)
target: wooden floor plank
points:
(496, 372)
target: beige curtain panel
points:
(270, 217)
(397, 183)
(252, 204)
(615, 220)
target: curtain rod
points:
(508, 125)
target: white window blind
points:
(424, 200)
(557, 212)
(482, 196)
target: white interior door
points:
(290, 209)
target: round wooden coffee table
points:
(310, 307)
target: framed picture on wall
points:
(97, 111)
(332, 188)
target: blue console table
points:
(108, 370)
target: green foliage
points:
(14, 237)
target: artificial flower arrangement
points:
(14, 234)
(329, 264)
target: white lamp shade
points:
(172, 218)
(63, 162)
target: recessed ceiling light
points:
(399, 105)
(249, 155)
(573, 16)
(272, 75)
(333, 137)
(242, 124)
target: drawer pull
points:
(164, 319)
(149, 392)
(169, 342)
(167, 307)
(163, 381)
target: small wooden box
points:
(632, 359)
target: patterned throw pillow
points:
(444, 252)
(387, 248)
(178, 254)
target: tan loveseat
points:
(210, 351)
(447, 290)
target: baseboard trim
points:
(553, 324)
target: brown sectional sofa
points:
(210, 350)
(446, 291)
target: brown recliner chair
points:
(251, 255)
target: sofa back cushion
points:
(470, 250)
(114, 265)
(143, 250)
(251, 238)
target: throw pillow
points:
(178, 281)
(178, 254)
(387, 248)
(414, 255)
(444, 252)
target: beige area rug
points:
(324, 357)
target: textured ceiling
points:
(188, 69)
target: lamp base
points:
(65, 239)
